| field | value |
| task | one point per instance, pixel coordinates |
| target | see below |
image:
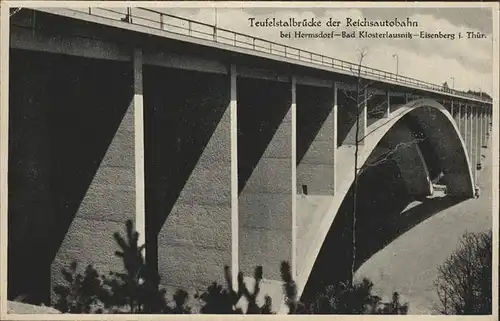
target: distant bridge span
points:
(223, 151)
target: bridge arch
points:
(438, 125)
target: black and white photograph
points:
(248, 158)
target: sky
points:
(469, 61)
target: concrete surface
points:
(188, 179)
(264, 175)
(71, 177)
(409, 264)
(457, 169)
(23, 308)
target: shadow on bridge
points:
(385, 211)
(63, 116)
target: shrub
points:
(353, 298)
(217, 300)
(84, 292)
(136, 290)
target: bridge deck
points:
(165, 25)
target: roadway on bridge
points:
(409, 264)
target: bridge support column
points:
(488, 122)
(363, 118)
(233, 106)
(138, 107)
(468, 135)
(479, 136)
(473, 149)
(456, 113)
(335, 133)
(481, 120)
(388, 106)
(295, 164)
(448, 105)
(463, 122)
(485, 126)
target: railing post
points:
(162, 23)
(90, 10)
(129, 14)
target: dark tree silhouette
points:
(353, 298)
(217, 300)
(464, 280)
(83, 293)
(135, 290)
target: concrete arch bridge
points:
(223, 148)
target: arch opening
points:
(443, 152)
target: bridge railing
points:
(178, 25)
